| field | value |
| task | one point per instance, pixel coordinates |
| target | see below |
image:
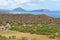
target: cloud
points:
(56, 0)
(12, 3)
(3, 2)
(29, 4)
(41, 0)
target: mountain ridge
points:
(19, 10)
(28, 17)
(35, 12)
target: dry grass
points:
(29, 36)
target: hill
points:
(29, 17)
(37, 11)
(5, 11)
(40, 10)
(19, 10)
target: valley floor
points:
(19, 35)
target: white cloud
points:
(56, 0)
(41, 0)
(31, 4)
(12, 3)
(3, 2)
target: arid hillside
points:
(29, 17)
(29, 27)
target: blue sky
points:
(30, 4)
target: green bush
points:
(44, 30)
(52, 36)
(33, 39)
(24, 38)
(1, 22)
(3, 38)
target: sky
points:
(30, 4)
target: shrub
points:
(13, 37)
(24, 38)
(3, 38)
(33, 39)
(1, 23)
(58, 36)
(9, 37)
(52, 36)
